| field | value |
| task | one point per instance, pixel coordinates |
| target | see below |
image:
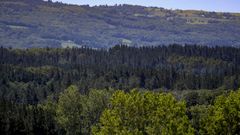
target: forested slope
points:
(101, 112)
(124, 90)
(29, 76)
(35, 23)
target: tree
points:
(223, 118)
(144, 113)
(197, 114)
(76, 113)
(93, 105)
(48, 112)
(69, 111)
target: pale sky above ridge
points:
(208, 5)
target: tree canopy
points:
(224, 116)
(144, 113)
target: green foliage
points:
(69, 111)
(93, 105)
(76, 113)
(20, 119)
(48, 110)
(29, 76)
(199, 97)
(127, 113)
(224, 116)
(144, 113)
(197, 114)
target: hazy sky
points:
(209, 5)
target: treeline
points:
(70, 113)
(30, 75)
(102, 112)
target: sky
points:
(208, 5)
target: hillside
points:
(34, 23)
(30, 75)
(75, 91)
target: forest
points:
(175, 89)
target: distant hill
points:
(35, 23)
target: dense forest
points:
(175, 89)
(30, 75)
(38, 23)
(102, 112)
(172, 72)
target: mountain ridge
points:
(36, 23)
